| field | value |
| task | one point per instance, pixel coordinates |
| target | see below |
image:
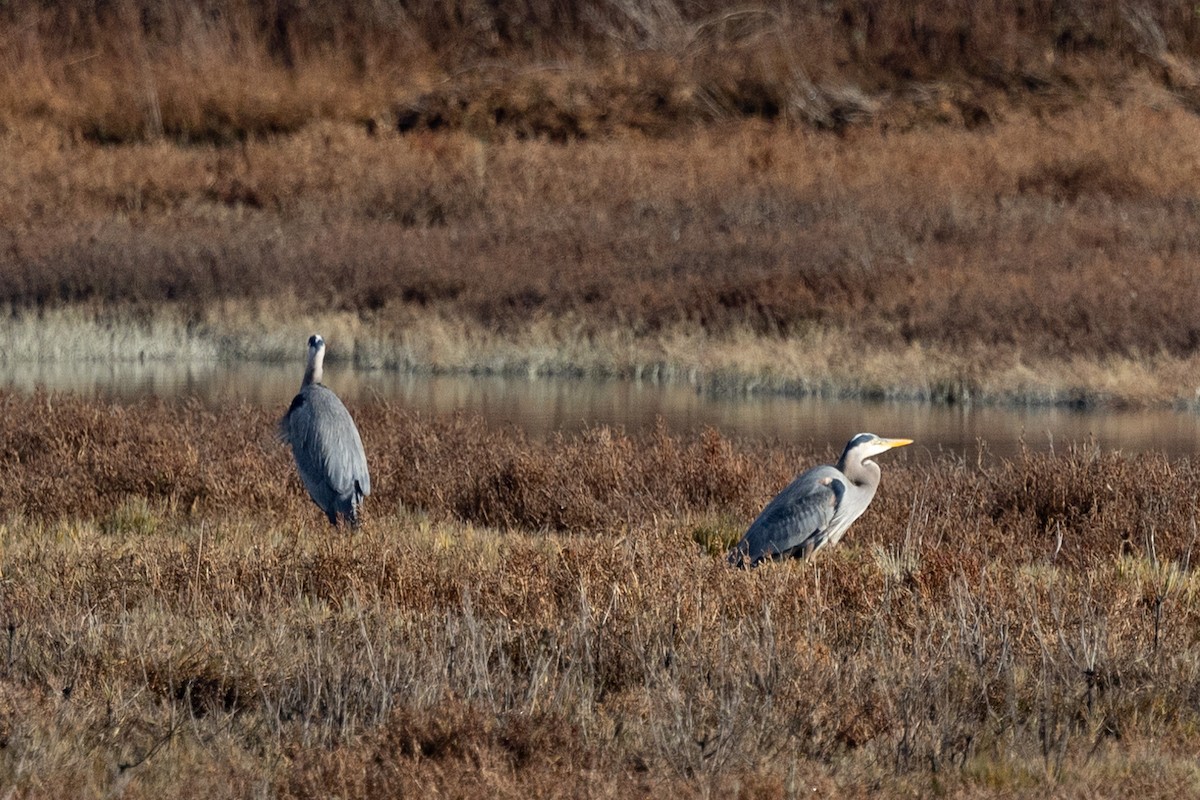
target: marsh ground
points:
(554, 618)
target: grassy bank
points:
(1005, 213)
(546, 618)
(1043, 260)
(1072, 236)
(827, 363)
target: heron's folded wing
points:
(796, 521)
(345, 458)
(326, 442)
(283, 429)
(340, 449)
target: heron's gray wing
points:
(797, 520)
(326, 443)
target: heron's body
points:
(325, 443)
(817, 508)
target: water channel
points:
(544, 406)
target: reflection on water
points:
(545, 406)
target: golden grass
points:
(526, 618)
(828, 363)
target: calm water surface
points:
(545, 406)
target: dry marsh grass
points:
(753, 257)
(1004, 206)
(229, 70)
(541, 618)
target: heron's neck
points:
(864, 474)
(312, 373)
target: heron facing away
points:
(328, 451)
(816, 508)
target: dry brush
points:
(549, 617)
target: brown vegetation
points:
(1013, 189)
(990, 250)
(226, 70)
(549, 618)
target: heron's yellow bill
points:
(890, 443)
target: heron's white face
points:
(874, 445)
(316, 358)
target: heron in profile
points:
(328, 451)
(816, 508)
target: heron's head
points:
(316, 359)
(865, 445)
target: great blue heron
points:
(325, 443)
(816, 509)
